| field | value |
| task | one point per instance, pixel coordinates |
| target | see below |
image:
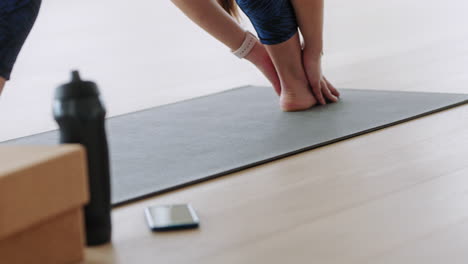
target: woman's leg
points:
(276, 26)
(287, 58)
(309, 14)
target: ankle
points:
(311, 56)
(293, 80)
(294, 87)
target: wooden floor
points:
(399, 195)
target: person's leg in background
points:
(16, 20)
(2, 84)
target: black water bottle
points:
(81, 118)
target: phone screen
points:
(168, 217)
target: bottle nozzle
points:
(75, 76)
(76, 88)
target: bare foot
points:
(295, 92)
(296, 95)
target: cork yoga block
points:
(57, 240)
(42, 193)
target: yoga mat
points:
(171, 146)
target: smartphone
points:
(171, 217)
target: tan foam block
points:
(58, 240)
(42, 192)
(38, 182)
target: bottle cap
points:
(77, 88)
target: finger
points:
(317, 90)
(270, 73)
(274, 80)
(277, 88)
(332, 88)
(276, 85)
(327, 93)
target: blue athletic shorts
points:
(274, 20)
(16, 20)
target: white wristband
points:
(247, 46)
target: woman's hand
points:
(322, 89)
(260, 58)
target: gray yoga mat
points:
(172, 146)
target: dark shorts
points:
(274, 20)
(16, 20)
